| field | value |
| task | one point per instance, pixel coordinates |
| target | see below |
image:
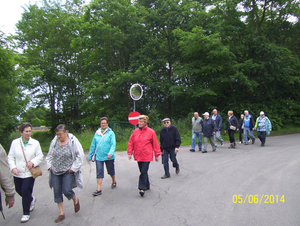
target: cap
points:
(206, 113)
(262, 113)
(166, 119)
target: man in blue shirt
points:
(248, 127)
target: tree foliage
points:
(80, 60)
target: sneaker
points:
(253, 141)
(25, 218)
(245, 143)
(214, 150)
(165, 176)
(177, 170)
(192, 150)
(32, 204)
(262, 145)
(222, 144)
(204, 151)
(96, 193)
(114, 185)
(200, 149)
(240, 142)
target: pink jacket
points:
(143, 143)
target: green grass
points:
(123, 135)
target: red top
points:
(143, 143)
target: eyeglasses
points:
(166, 122)
(60, 134)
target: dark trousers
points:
(24, 187)
(144, 179)
(231, 135)
(165, 159)
(262, 136)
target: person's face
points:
(26, 133)
(62, 135)
(229, 114)
(206, 116)
(242, 116)
(142, 123)
(167, 124)
(215, 112)
(196, 115)
(103, 124)
(262, 115)
(246, 113)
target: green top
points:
(25, 143)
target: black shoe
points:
(147, 188)
(200, 149)
(214, 150)
(177, 170)
(262, 145)
(192, 150)
(204, 151)
(96, 193)
(253, 141)
(142, 193)
(165, 176)
(114, 185)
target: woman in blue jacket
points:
(104, 145)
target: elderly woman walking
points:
(143, 144)
(232, 125)
(103, 146)
(22, 147)
(64, 160)
(263, 126)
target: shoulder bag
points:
(231, 127)
(35, 170)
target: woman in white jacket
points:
(23, 179)
(64, 160)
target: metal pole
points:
(134, 110)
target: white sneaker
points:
(25, 218)
(240, 142)
(32, 204)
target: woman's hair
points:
(24, 126)
(144, 117)
(242, 115)
(61, 127)
(230, 112)
(104, 118)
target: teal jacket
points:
(105, 147)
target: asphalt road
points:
(205, 192)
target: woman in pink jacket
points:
(142, 144)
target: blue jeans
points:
(24, 187)
(63, 184)
(246, 132)
(165, 159)
(218, 137)
(199, 135)
(110, 167)
(144, 179)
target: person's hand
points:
(253, 129)
(129, 157)
(156, 159)
(176, 150)
(237, 129)
(29, 165)
(224, 131)
(108, 156)
(10, 203)
(15, 171)
(71, 171)
(214, 132)
(50, 169)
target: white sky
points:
(11, 12)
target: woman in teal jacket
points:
(104, 145)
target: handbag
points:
(231, 127)
(94, 154)
(35, 170)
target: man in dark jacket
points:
(219, 124)
(208, 131)
(169, 143)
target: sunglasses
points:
(166, 122)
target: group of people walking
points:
(65, 156)
(211, 127)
